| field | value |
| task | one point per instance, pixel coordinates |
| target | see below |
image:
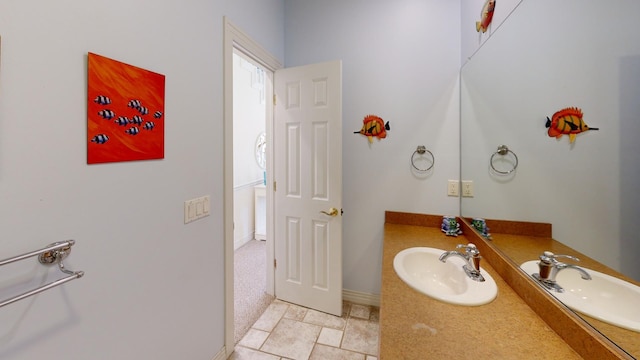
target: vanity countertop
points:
(415, 326)
(522, 248)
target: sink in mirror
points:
(604, 297)
(422, 270)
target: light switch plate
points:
(198, 208)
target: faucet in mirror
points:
(549, 267)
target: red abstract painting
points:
(125, 112)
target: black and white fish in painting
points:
(107, 114)
(100, 139)
(102, 100)
(136, 119)
(122, 121)
(133, 131)
(134, 104)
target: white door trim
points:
(235, 38)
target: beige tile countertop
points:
(415, 326)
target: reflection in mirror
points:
(545, 57)
(261, 150)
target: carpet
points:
(250, 298)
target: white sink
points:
(604, 297)
(421, 269)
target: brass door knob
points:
(332, 212)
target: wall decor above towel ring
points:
(503, 150)
(421, 150)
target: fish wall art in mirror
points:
(125, 112)
(567, 121)
(486, 16)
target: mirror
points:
(261, 150)
(547, 56)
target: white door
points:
(308, 185)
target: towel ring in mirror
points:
(421, 150)
(503, 150)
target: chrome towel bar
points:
(52, 254)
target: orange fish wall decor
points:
(486, 15)
(567, 121)
(373, 126)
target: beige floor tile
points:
(346, 307)
(292, 339)
(375, 314)
(253, 339)
(323, 319)
(295, 312)
(323, 352)
(331, 337)
(360, 311)
(290, 332)
(242, 353)
(271, 316)
(361, 336)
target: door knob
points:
(332, 212)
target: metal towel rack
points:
(52, 254)
(504, 150)
(421, 150)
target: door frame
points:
(235, 38)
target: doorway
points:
(249, 192)
(309, 143)
(235, 40)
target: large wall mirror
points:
(546, 56)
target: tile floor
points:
(287, 331)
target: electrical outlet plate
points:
(467, 188)
(453, 188)
(195, 209)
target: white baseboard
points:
(237, 243)
(361, 298)
(221, 355)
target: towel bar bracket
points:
(56, 256)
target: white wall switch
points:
(198, 208)
(207, 205)
(187, 218)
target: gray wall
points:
(400, 62)
(153, 287)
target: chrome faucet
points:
(550, 267)
(471, 257)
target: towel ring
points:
(503, 150)
(421, 150)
